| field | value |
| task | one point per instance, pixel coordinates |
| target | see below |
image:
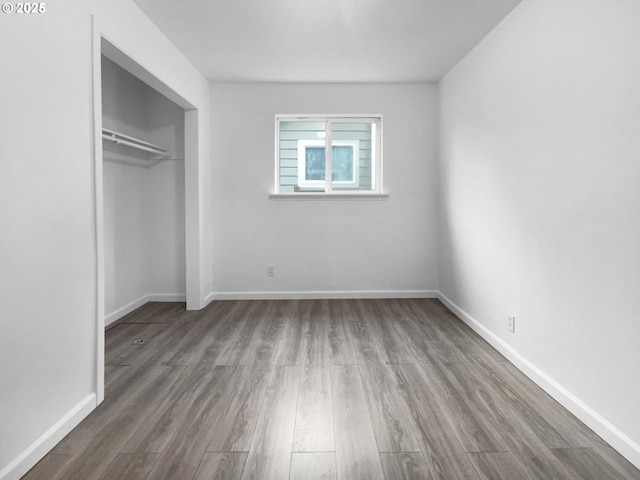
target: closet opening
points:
(144, 194)
(146, 184)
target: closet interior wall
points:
(144, 201)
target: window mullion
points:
(328, 156)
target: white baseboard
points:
(613, 436)
(209, 298)
(150, 297)
(38, 449)
(320, 294)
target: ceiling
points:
(325, 40)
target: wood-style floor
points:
(320, 389)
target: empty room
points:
(294, 240)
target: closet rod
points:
(122, 139)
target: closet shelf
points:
(160, 153)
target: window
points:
(328, 155)
(312, 164)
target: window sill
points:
(328, 196)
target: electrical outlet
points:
(511, 322)
(270, 270)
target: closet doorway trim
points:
(103, 44)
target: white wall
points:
(540, 199)
(144, 236)
(144, 217)
(125, 234)
(337, 246)
(47, 273)
(48, 284)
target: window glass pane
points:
(342, 166)
(295, 139)
(314, 163)
(352, 165)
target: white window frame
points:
(325, 188)
(315, 184)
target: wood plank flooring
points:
(320, 389)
